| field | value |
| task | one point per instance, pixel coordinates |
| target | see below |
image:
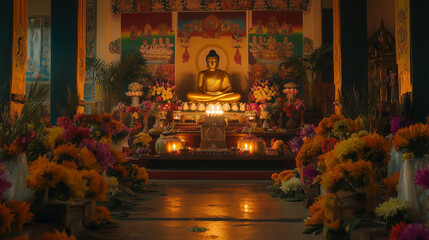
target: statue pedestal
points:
(213, 135)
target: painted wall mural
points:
(217, 25)
(273, 36)
(123, 6)
(152, 35)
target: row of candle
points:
(214, 116)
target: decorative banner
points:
(19, 56)
(81, 52)
(215, 25)
(273, 36)
(402, 36)
(125, 6)
(152, 35)
(338, 80)
(91, 24)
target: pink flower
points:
(422, 177)
(4, 184)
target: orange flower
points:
(118, 155)
(37, 168)
(396, 230)
(97, 186)
(65, 152)
(69, 164)
(88, 159)
(121, 169)
(53, 174)
(391, 183)
(327, 124)
(22, 237)
(57, 235)
(377, 149)
(101, 216)
(76, 184)
(311, 148)
(6, 218)
(22, 212)
(408, 139)
(335, 225)
(283, 176)
(138, 174)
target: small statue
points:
(213, 84)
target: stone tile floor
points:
(241, 210)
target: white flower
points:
(292, 185)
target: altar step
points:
(210, 175)
(214, 167)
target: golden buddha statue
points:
(213, 84)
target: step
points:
(210, 175)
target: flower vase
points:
(265, 124)
(412, 193)
(17, 168)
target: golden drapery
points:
(81, 52)
(337, 53)
(402, 39)
(19, 56)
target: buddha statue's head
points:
(212, 60)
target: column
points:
(350, 45)
(6, 16)
(419, 24)
(67, 55)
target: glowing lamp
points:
(168, 145)
(252, 145)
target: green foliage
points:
(363, 103)
(131, 68)
(310, 68)
(73, 100)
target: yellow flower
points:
(349, 148)
(392, 207)
(97, 187)
(88, 159)
(407, 155)
(54, 137)
(76, 184)
(311, 148)
(101, 216)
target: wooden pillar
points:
(13, 57)
(419, 25)
(6, 19)
(350, 45)
(68, 55)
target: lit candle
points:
(174, 149)
(245, 149)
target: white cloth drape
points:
(395, 162)
(414, 194)
(17, 168)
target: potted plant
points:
(309, 68)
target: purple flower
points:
(307, 131)
(4, 184)
(141, 151)
(416, 231)
(309, 174)
(295, 144)
(101, 152)
(422, 177)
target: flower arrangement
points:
(321, 212)
(392, 207)
(146, 106)
(262, 92)
(291, 186)
(422, 177)
(283, 176)
(61, 182)
(57, 235)
(403, 231)
(137, 174)
(161, 91)
(413, 139)
(337, 126)
(101, 216)
(391, 183)
(309, 150)
(142, 140)
(120, 107)
(97, 187)
(350, 176)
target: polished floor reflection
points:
(241, 210)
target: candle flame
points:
(174, 146)
(245, 145)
